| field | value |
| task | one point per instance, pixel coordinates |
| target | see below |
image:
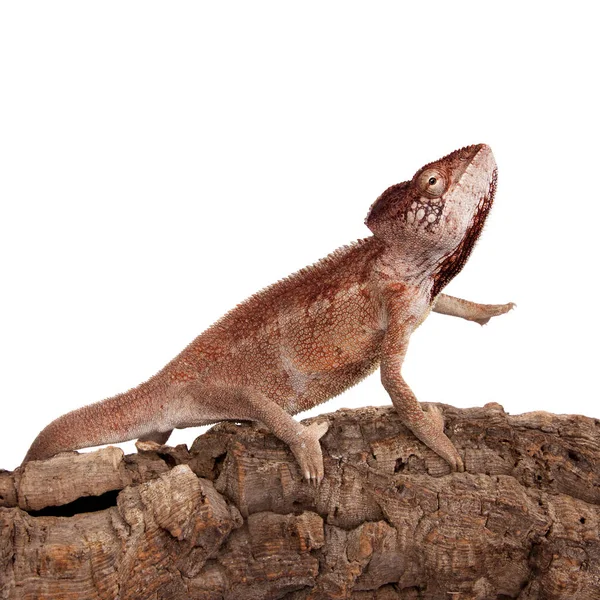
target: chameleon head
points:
(441, 210)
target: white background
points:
(159, 162)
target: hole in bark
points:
(399, 466)
(81, 505)
(574, 456)
(218, 464)
(171, 462)
(539, 477)
(582, 520)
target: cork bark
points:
(232, 517)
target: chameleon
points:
(312, 335)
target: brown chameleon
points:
(314, 334)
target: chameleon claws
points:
(457, 464)
(449, 453)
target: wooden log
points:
(232, 518)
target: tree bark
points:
(232, 518)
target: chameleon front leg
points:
(428, 426)
(471, 311)
(202, 403)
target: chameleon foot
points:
(443, 446)
(308, 452)
(494, 310)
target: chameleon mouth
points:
(485, 204)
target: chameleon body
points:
(312, 335)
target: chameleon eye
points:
(431, 183)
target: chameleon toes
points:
(307, 451)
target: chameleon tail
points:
(134, 414)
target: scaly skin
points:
(307, 338)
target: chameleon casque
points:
(314, 334)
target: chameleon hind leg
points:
(204, 403)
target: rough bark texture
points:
(233, 519)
